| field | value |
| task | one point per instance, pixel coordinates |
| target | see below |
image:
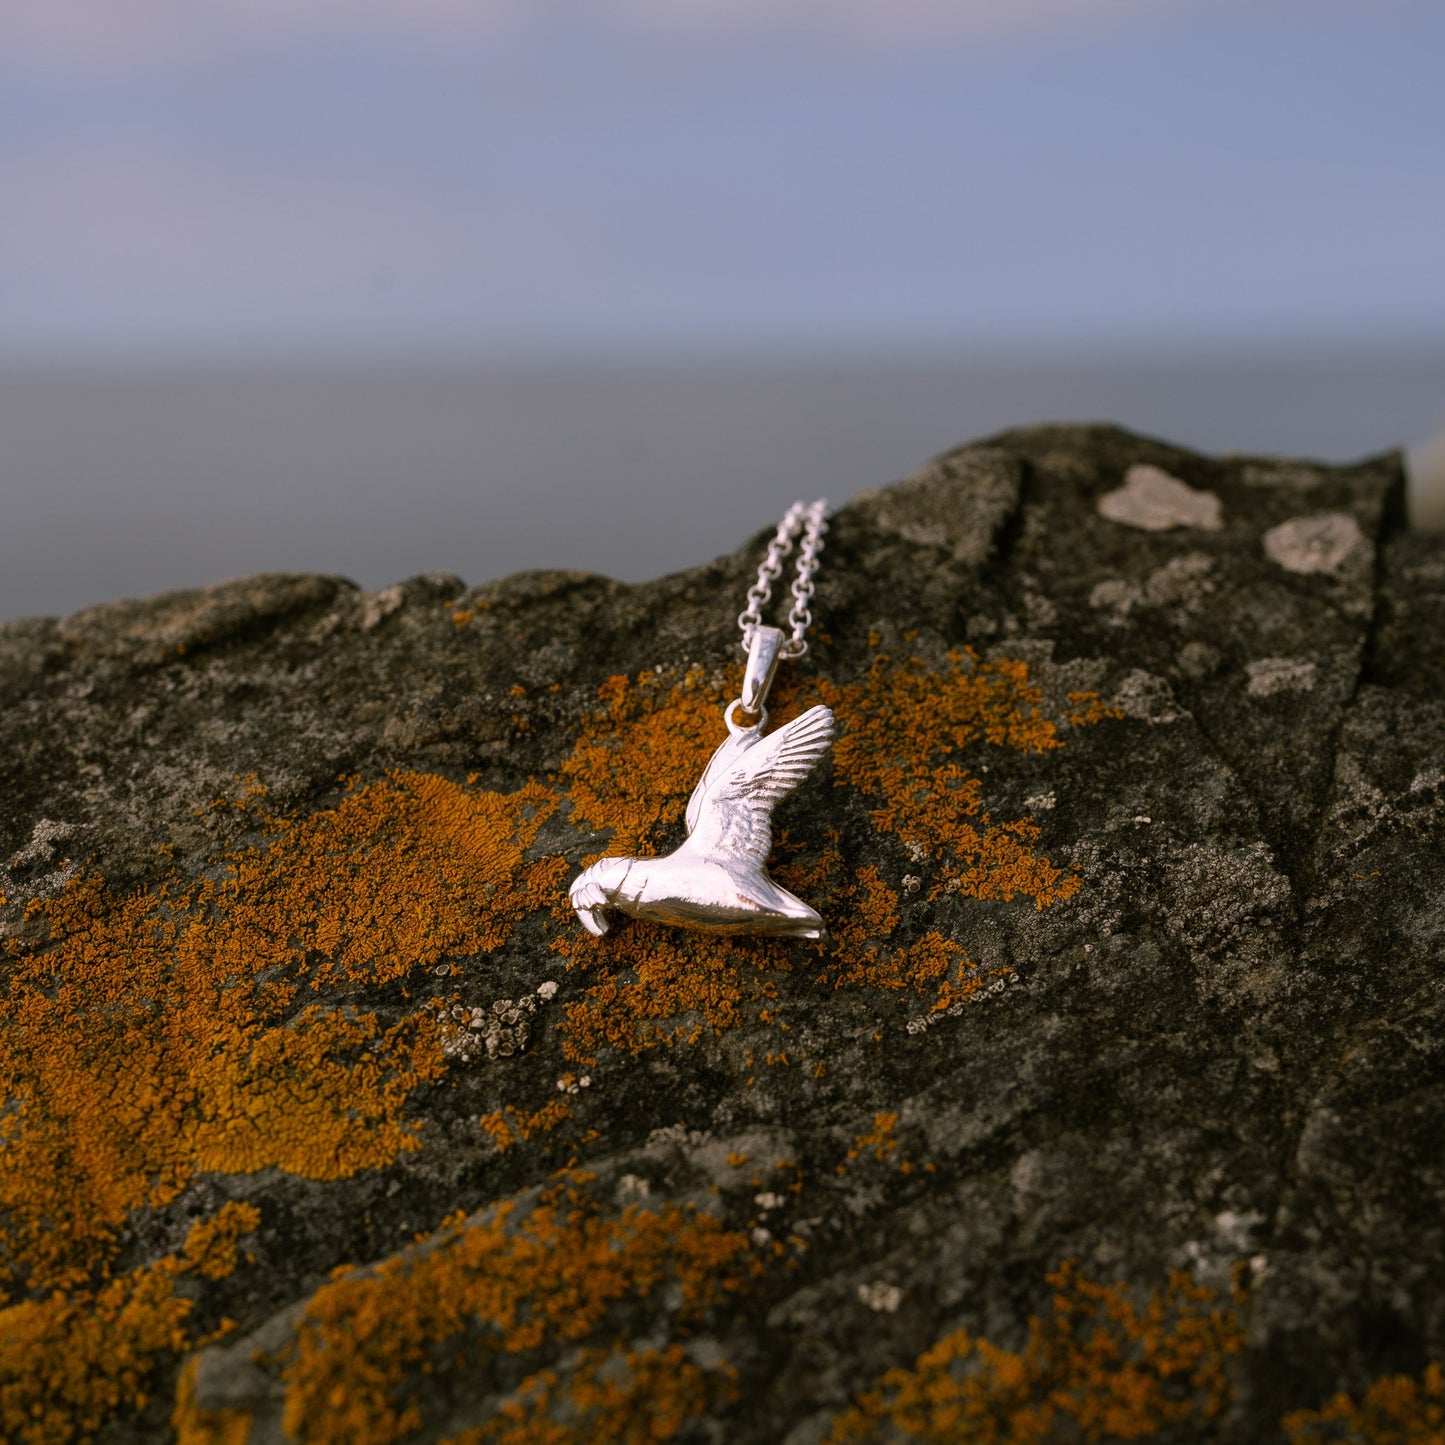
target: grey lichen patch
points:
(1323, 542)
(153, 629)
(1116, 598)
(44, 838)
(955, 504)
(40, 869)
(1147, 697)
(1277, 475)
(376, 607)
(1358, 806)
(1182, 582)
(1181, 585)
(1000, 983)
(1056, 681)
(1197, 660)
(1226, 907)
(1154, 501)
(1219, 891)
(678, 1136)
(498, 1032)
(1388, 794)
(1271, 675)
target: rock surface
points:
(326, 1121)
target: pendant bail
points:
(765, 651)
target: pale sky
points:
(500, 175)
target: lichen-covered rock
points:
(1112, 1107)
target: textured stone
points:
(1223, 1050)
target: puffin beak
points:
(594, 920)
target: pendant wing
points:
(722, 762)
(732, 807)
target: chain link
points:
(811, 522)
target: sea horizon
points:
(124, 477)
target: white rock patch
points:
(1116, 595)
(1319, 543)
(378, 606)
(1270, 675)
(633, 1186)
(1153, 501)
(881, 1298)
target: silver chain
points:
(811, 522)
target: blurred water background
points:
(137, 479)
(478, 285)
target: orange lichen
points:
(879, 1141)
(68, 1362)
(154, 1036)
(625, 1396)
(164, 1034)
(506, 1127)
(902, 730)
(933, 962)
(197, 1426)
(400, 874)
(1090, 708)
(223, 1025)
(861, 953)
(657, 988)
(1096, 1368)
(1396, 1410)
(640, 755)
(210, 1249)
(519, 1278)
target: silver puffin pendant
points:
(716, 880)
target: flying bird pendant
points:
(715, 881)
